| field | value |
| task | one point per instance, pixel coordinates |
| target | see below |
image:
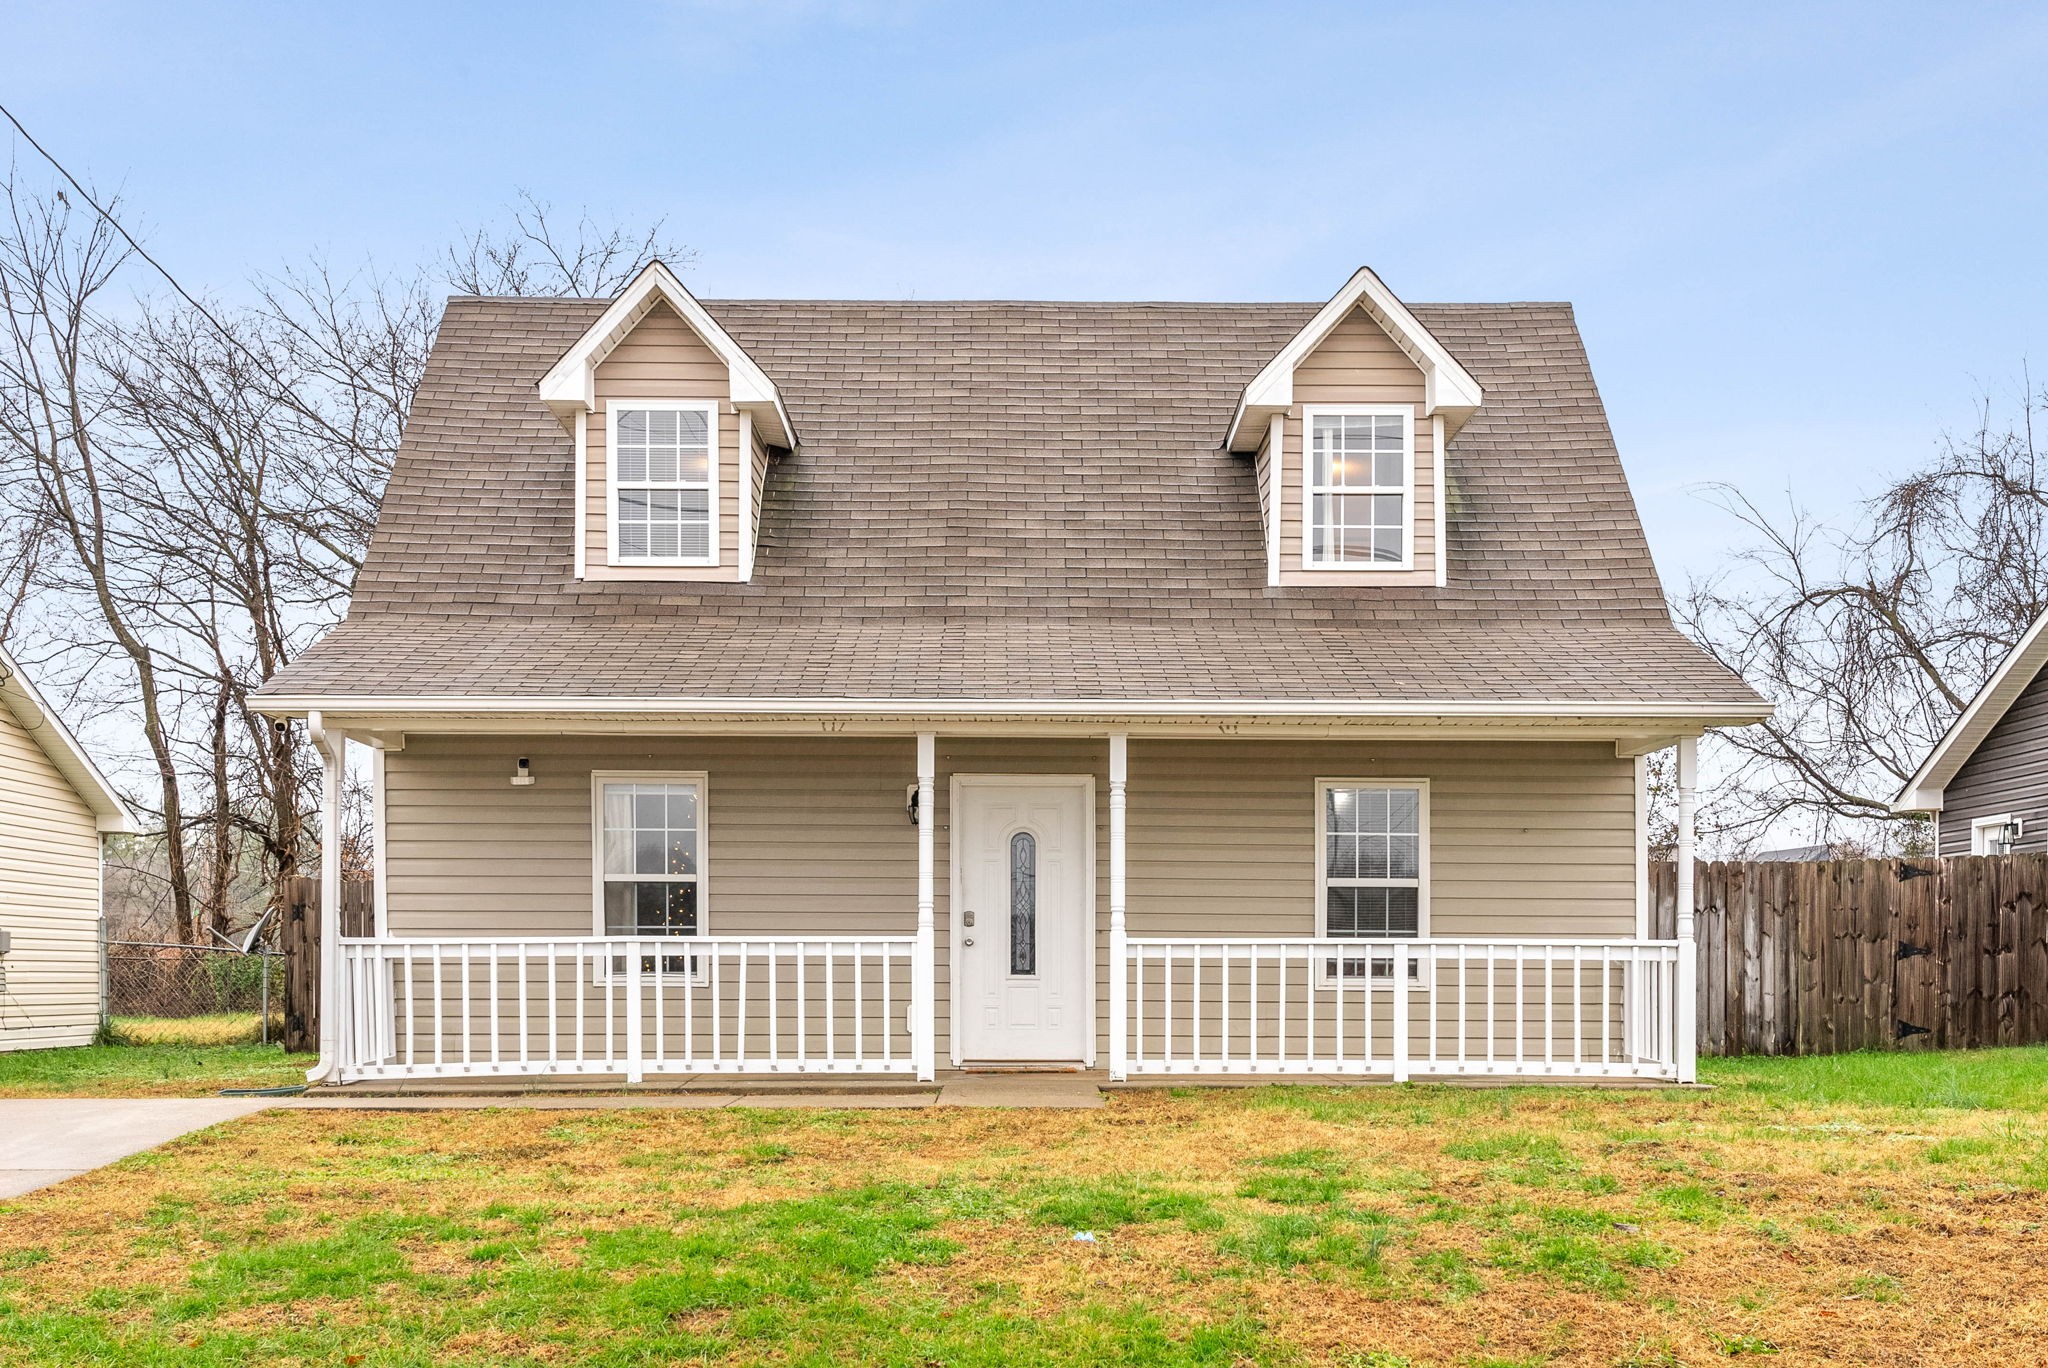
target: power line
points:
(138, 248)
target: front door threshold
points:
(1024, 1066)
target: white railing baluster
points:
(1578, 1008)
(740, 1022)
(888, 1007)
(1252, 1008)
(860, 998)
(1337, 996)
(831, 1008)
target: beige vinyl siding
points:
(809, 834)
(1358, 364)
(663, 359)
(49, 899)
(757, 471)
(1263, 468)
(2007, 774)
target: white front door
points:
(1021, 919)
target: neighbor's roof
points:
(1923, 792)
(56, 741)
(1008, 501)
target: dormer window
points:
(664, 481)
(1360, 488)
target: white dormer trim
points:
(1923, 793)
(570, 386)
(1449, 389)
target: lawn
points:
(1871, 1211)
(147, 1070)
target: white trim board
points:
(571, 383)
(1104, 709)
(1447, 386)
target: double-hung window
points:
(663, 473)
(1371, 868)
(651, 862)
(1360, 488)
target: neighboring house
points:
(55, 807)
(1985, 783)
(1805, 854)
(767, 686)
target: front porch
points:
(415, 1008)
(1193, 961)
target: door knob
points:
(968, 941)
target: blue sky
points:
(1803, 240)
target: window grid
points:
(662, 472)
(651, 865)
(1372, 867)
(1358, 475)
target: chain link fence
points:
(159, 993)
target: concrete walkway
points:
(46, 1140)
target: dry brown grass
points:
(1836, 1235)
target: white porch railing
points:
(1505, 1008)
(631, 1006)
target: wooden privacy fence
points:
(299, 939)
(1817, 958)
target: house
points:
(772, 686)
(55, 807)
(1985, 783)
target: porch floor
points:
(952, 1088)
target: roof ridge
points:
(1010, 302)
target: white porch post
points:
(924, 962)
(1685, 1011)
(1119, 936)
(332, 748)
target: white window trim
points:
(702, 779)
(1981, 828)
(707, 407)
(1309, 414)
(1323, 787)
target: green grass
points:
(2011, 1079)
(147, 1070)
(1801, 1209)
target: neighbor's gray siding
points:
(2008, 772)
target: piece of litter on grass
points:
(1084, 1237)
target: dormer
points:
(1347, 425)
(673, 425)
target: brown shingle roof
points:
(1009, 500)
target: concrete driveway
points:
(46, 1140)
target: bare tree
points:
(537, 254)
(1870, 638)
(55, 269)
(189, 493)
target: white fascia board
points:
(1914, 802)
(1695, 714)
(1448, 387)
(110, 811)
(570, 386)
(1975, 722)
